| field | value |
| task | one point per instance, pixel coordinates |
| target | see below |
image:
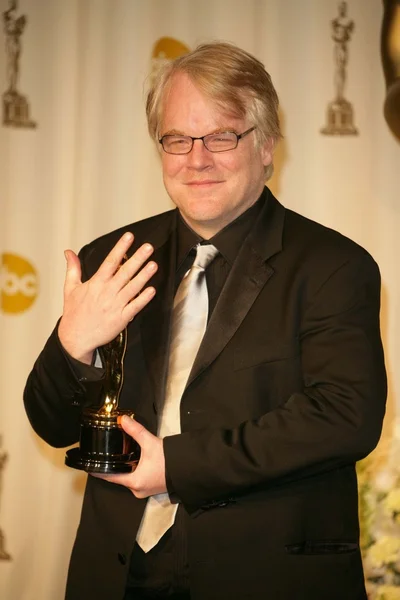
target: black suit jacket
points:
(286, 393)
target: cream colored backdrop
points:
(89, 167)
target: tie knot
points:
(205, 254)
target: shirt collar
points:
(228, 241)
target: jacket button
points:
(122, 558)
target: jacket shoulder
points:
(152, 229)
(140, 229)
(311, 238)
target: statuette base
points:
(16, 110)
(339, 116)
(104, 447)
(3, 554)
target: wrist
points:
(73, 349)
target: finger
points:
(131, 267)
(113, 260)
(120, 478)
(137, 431)
(135, 306)
(133, 288)
(73, 276)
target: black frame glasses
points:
(214, 142)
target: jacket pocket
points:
(324, 547)
(253, 355)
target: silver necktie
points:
(189, 322)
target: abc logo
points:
(18, 283)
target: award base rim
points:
(74, 459)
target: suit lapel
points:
(156, 316)
(249, 274)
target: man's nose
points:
(199, 157)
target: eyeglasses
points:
(214, 142)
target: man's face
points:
(210, 189)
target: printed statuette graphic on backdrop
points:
(3, 554)
(19, 284)
(15, 105)
(339, 114)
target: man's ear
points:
(267, 151)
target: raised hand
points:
(97, 310)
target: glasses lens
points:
(219, 142)
(177, 144)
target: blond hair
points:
(234, 79)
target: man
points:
(284, 394)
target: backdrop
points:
(80, 163)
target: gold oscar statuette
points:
(104, 447)
(3, 554)
(339, 114)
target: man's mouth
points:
(203, 182)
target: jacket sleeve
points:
(334, 420)
(57, 390)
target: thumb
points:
(74, 271)
(135, 430)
